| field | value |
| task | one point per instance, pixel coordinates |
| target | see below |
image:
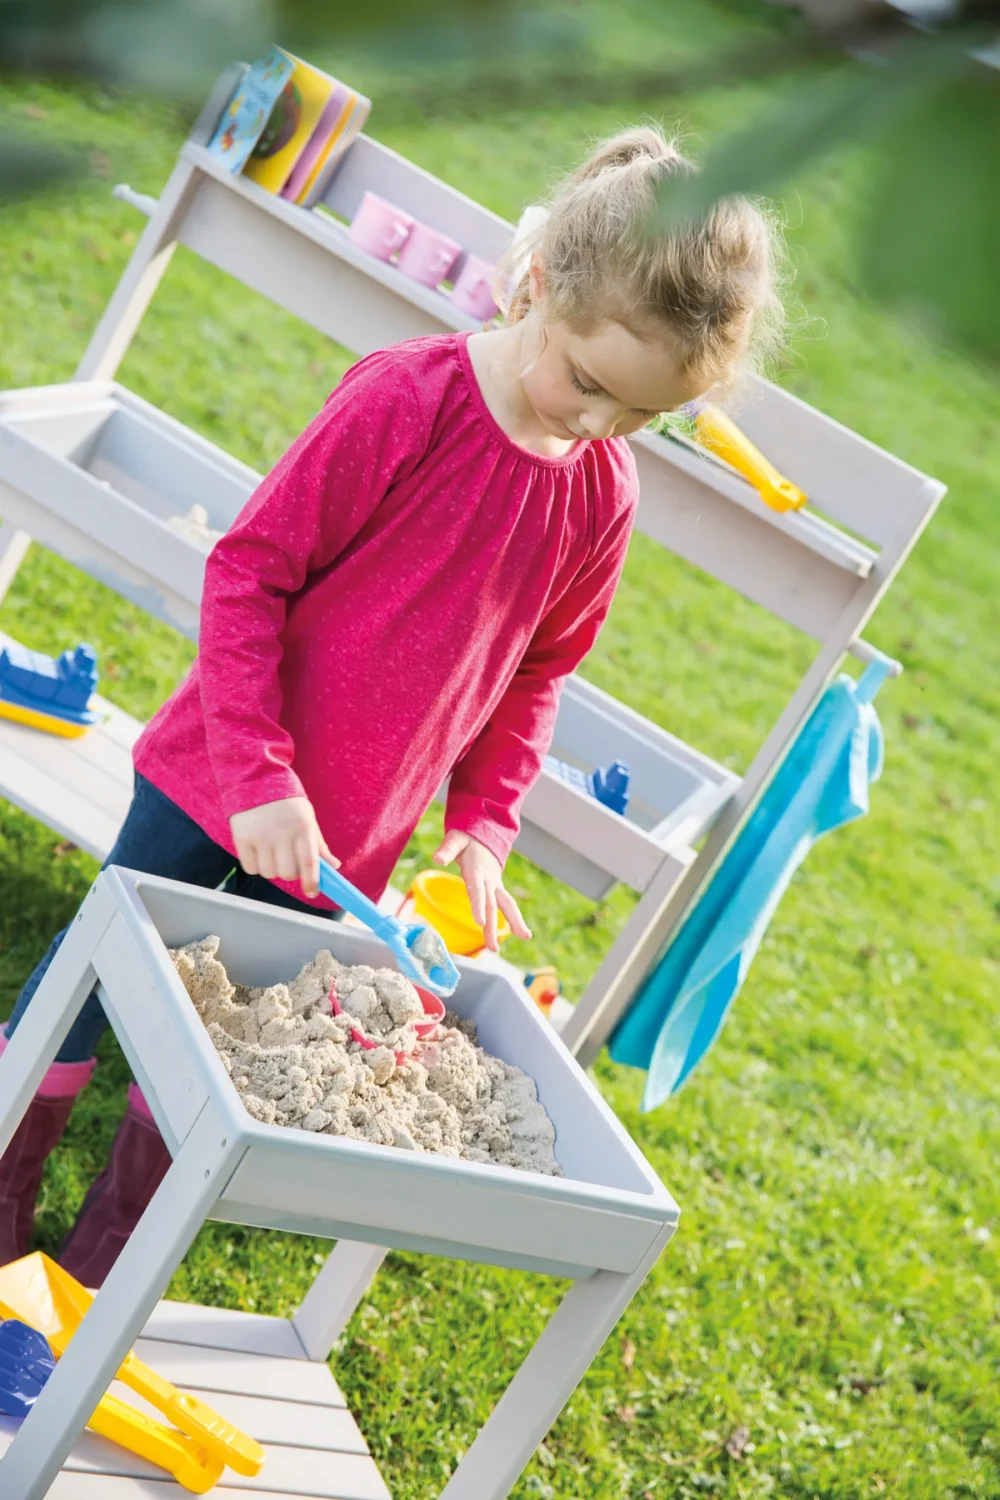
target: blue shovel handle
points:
(338, 888)
(441, 980)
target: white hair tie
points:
(525, 241)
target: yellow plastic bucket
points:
(441, 899)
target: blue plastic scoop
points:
(26, 1362)
(420, 951)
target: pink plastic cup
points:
(427, 256)
(473, 292)
(379, 228)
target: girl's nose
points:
(598, 424)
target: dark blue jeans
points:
(156, 838)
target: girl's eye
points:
(586, 390)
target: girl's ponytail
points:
(637, 150)
(642, 143)
(713, 282)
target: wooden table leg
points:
(329, 1305)
(199, 1172)
(544, 1383)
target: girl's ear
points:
(536, 278)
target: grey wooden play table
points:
(602, 1225)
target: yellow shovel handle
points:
(721, 436)
(210, 1430)
(193, 1469)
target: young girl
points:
(402, 597)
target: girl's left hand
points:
(483, 876)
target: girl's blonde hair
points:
(713, 281)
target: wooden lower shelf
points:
(253, 1370)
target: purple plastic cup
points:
(473, 292)
(379, 227)
(428, 256)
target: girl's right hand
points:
(281, 841)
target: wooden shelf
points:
(255, 1373)
(320, 228)
(95, 473)
(798, 564)
(676, 795)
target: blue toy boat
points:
(607, 785)
(46, 692)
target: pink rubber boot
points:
(37, 1135)
(117, 1200)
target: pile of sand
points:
(381, 1004)
(296, 1064)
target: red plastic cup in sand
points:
(434, 1012)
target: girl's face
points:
(605, 382)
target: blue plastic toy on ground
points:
(50, 693)
(822, 784)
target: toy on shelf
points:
(249, 109)
(26, 1362)
(473, 289)
(387, 232)
(543, 987)
(287, 126)
(427, 256)
(442, 899)
(379, 228)
(607, 785)
(50, 693)
(720, 435)
(193, 526)
(40, 1293)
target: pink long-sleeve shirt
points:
(400, 599)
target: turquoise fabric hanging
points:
(822, 784)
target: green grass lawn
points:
(834, 1283)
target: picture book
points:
(342, 119)
(294, 118)
(250, 108)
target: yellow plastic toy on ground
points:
(43, 1295)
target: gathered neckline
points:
(475, 390)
